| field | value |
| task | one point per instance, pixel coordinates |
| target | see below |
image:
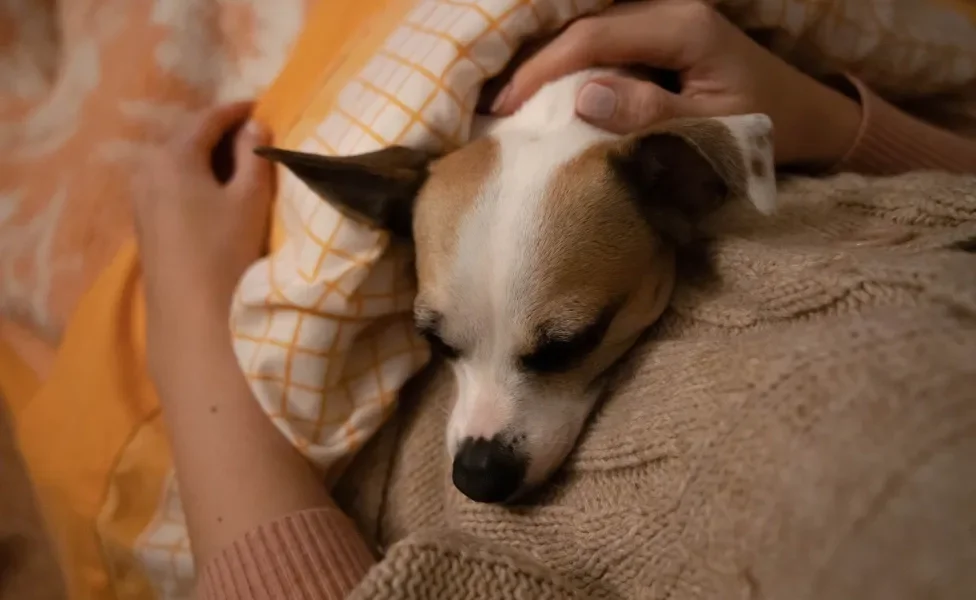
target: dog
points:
(544, 248)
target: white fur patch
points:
(496, 242)
(754, 133)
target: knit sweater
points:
(800, 424)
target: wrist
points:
(187, 308)
(179, 335)
(179, 366)
(833, 122)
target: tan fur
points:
(455, 182)
(595, 250)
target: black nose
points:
(487, 470)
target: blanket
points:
(28, 568)
(86, 88)
(320, 327)
(799, 425)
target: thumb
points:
(624, 105)
(253, 175)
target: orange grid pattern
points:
(164, 548)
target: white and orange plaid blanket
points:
(321, 327)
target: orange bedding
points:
(86, 88)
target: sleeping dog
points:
(544, 248)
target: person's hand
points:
(199, 227)
(196, 234)
(722, 72)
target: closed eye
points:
(558, 353)
(438, 345)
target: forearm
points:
(258, 516)
(260, 521)
(235, 470)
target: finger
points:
(201, 137)
(624, 105)
(253, 175)
(650, 33)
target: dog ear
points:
(684, 170)
(379, 187)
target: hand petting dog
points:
(722, 72)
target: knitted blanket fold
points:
(801, 424)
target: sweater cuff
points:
(890, 142)
(310, 554)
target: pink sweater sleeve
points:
(891, 142)
(311, 555)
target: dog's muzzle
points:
(487, 470)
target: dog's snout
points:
(487, 470)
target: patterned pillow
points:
(322, 327)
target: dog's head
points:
(541, 257)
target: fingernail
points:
(596, 101)
(501, 98)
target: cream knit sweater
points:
(801, 424)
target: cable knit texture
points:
(801, 424)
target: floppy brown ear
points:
(684, 170)
(379, 187)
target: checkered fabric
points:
(322, 327)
